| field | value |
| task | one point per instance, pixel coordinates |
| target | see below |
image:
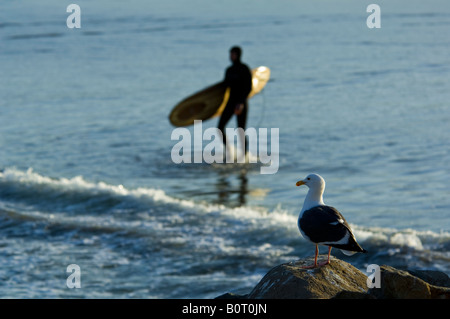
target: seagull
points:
(322, 224)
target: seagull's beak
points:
(300, 183)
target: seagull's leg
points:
(328, 260)
(315, 260)
(315, 257)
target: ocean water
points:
(86, 175)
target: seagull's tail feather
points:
(351, 253)
(348, 253)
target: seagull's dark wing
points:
(324, 224)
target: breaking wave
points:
(257, 234)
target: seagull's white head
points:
(313, 181)
(316, 185)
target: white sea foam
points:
(404, 238)
(78, 183)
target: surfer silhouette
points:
(239, 79)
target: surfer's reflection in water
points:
(238, 78)
(226, 191)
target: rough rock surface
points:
(289, 281)
(401, 284)
(341, 280)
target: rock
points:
(400, 284)
(289, 281)
(340, 280)
(433, 277)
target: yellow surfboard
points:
(211, 101)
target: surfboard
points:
(211, 101)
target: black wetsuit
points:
(239, 79)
